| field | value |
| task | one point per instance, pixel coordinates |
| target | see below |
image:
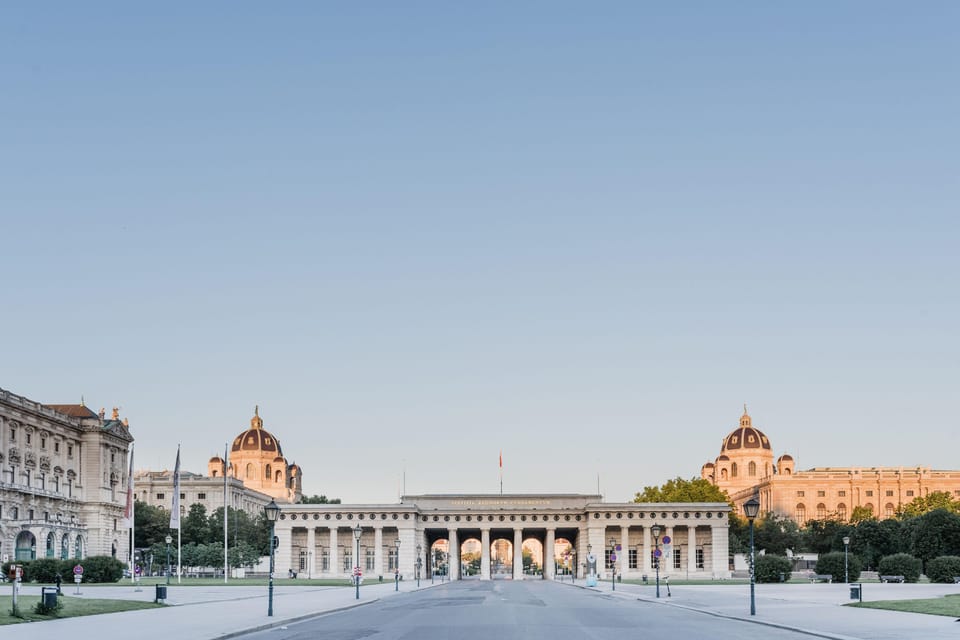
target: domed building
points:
(745, 468)
(256, 458)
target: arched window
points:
(801, 514)
(723, 474)
(250, 471)
(78, 548)
(842, 511)
(821, 511)
(278, 477)
(268, 472)
(888, 510)
(51, 544)
(869, 507)
(733, 470)
(214, 474)
(752, 469)
(786, 471)
(65, 547)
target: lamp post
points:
(433, 564)
(846, 566)
(357, 532)
(750, 509)
(655, 530)
(573, 566)
(613, 564)
(396, 566)
(169, 540)
(272, 512)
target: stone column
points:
(691, 549)
(549, 555)
(668, 566)
(453, 557)
(484, 554)
(599, 547)
(378, 551)
(719, 534)
(647, 548)
(518, 554)
(311, 551)
(623, 556)
(334, 552)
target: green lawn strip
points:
(945, 606)
(72, 607)
(148, 583)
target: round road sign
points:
(78, 570)
(666, 539)
(657, 553)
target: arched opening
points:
(842, 511)
(533, 557)
(78, 548)
(268, 472)
(564, 557)
(278, 477)
(801, 514)
(888, 510)
(437, 558)
(51, 544)
(501, 559)
(250, 470)
(752, 469)
(26, 546)
(470, 558)
(733, 470)
(821, 511)
(723, 474)
(65, 547)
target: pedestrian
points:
(58, 581)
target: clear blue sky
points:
(419, 233)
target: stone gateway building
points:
(63, 485)
(746, 467)
(324, 540)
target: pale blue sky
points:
(418, 233)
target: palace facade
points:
(330, 540)
(746, 468)
(63, 484)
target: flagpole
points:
(131, 514)
(501, 472)
(226, 564)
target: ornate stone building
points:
(64, 480)
(320, 540)
(257, 472)
(746, 467)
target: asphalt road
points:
(495, 610)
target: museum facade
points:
(331, 540)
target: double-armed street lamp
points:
(272, 512)
(357, 532)
(655, 530)
(396, 566)
(169, 540)
(846, 566)
(750, 509)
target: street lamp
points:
(655, 530)
(357, 532)
(573, 566)
(750, 509)
(396, 566)
(272, 512)
(419, 563)
(169, 540)
(613, 564)
(846, 566)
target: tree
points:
(195, 528)
(823, 536)
(775, 534)
(931, 502)
(321, 499)
(934, 534)
(151, 524)
(680, 490)
(873, 539)
(861, 513)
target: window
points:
(607, 562)
(267, 473)
(842, 493)
(113, 457)
(842, 511)
(371, 560)
(821, 511)
(869, 493)
(799, 494)
(889, 493)
(821, 494)
(69, 450)
(910, 493)
(161, 496)
(56, 447)
(888, 510)
(733, 470)
(30, 514)
(13, 435)
(43, 443)
(201, 496)
(677, 564)
(183, 496)
(348, 561)
(801, 514)
(29, 436)
(14, 513)
(632, 559)
(700, 558)
(325, 560)
(752, 469)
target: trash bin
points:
(49, 597)
(161, 593)
(855, 592)
(619, 577)
(783, 577)
(644, 578)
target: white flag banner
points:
(175, 510)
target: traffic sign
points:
(666, 539)
(78, 570)
(657, 553)
(619, 548)
(613, 557)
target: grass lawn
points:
(945, 606)
(233, 582)
(71, 607)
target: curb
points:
(286, 621)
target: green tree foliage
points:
(943, 569)
(321, 499)
(151, 524)
(936, 533)
(872, 539)
(901, 564)
(195, 527)
(775, 534)
(823, 536)
(931, 502)
(833, 564)
(680, 490)
(771, 567)
(861, 513)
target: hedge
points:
(901, 564)
(833, 564)
(943, 569)
(771, 568)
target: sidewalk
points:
(815, 609)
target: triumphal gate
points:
(332, 540)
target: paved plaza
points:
(783, 611)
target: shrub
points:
(943, 569)
(833, 564)
(42, 570)
(43, 610)
(101, 569)
(901, 564)
(771, 567)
